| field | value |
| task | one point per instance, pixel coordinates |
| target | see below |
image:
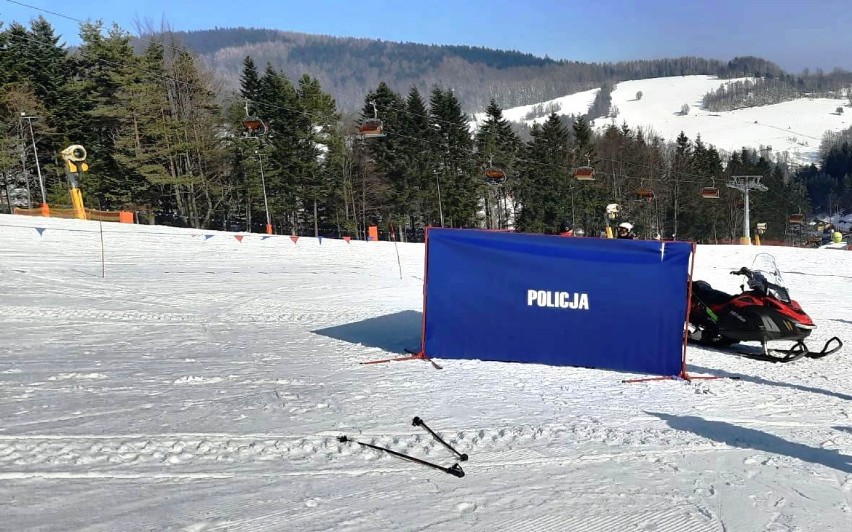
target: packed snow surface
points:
(195, 381)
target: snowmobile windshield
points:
(759, 283)
(769, 281)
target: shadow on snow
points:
(392, 332)
(767, 382)
(744, 438)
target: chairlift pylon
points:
(371, 127)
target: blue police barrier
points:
(589, 302)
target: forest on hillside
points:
(166, 140)
(349, 67)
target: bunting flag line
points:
(41, 230)
(347, 238)
(207, 237)
(239, 237)
(294, 238)
(320, 240)
(264, 237)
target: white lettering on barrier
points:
(550, 299)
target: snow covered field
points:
(201, 385)
(572, 104)
(795, 127)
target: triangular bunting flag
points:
(239, 237)
(41, 230)
(207, 237)
(347, 238)
(294, 238)
(264, 237)
(320, 239)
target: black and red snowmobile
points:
(764, 313)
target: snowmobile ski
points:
(766, 354)
(417, 422)
(454, 470)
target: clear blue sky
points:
(795, 34)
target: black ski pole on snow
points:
(454, 470)
(417, 422)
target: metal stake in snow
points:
(417, 422)
(454, 470)
(744, 183)
(393, 237)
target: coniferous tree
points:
(543, 192)
(318, 179)
(455, 161)
(105, 64)
(497, 145)
(417, 155)
(250, 82)
(380, 169)
(589, 199)
(681, 165)
(288, 127)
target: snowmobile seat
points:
(709, 295)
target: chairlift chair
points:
(494, 176)
(646, 194)
(710, 193)
(253, 127)
(584, 173)
(371, 127)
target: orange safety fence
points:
(91, 214)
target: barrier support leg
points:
(412, 356)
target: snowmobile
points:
(764, 313)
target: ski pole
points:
(454, 470)
(417, 422)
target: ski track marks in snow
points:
(63, 455)
(211, 399)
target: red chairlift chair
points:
(646, 194)
(372, 127)
(494, 176)
(584, 173)
(710, 193)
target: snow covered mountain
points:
(795, 127)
